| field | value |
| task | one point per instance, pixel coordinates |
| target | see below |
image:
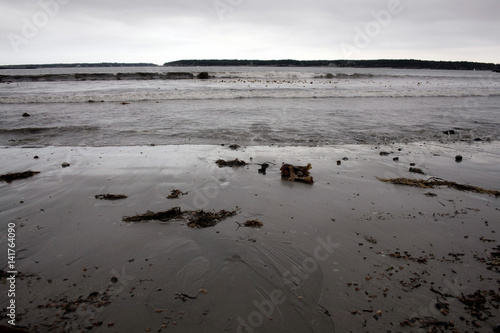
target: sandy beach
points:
(349, 253)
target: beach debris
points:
(413, 283)
(442, 306)
(184, 297)
(124, 103)
(65, 165)
(251, 223)
(416, 170)
(458, 158)
(234, 147)
(175, 194)
(196, 219)
(26, 114)
(10, 177)
(297, 173)
(263, 168)
(232, 164)
(450, 132)
(201, 219)
(164, 216)
(435, 182)
(431, 323)
(384, 153)
(430, 194)
(477, 304)
(408, 256)
(110, 196)
(370, 240)
(492, 259)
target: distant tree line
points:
(101, 64)
(387, 63)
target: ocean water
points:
(248, 106)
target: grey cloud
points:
(170, 30)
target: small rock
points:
(339, 162)
(478, 139)
(412, 164)
(395, 159)
(416, 170)
(65, 165)
(384, 153)
(35, 157)
(345, 159)
(458, 158)
(203, 76)
(26, 114)
(114, 279)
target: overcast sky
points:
(157, 31)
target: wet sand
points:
(347, 254)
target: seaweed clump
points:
(234, 163)
(110, 196)
(10, 177)
(164, 216)
(175, 194)
(433, 182)
(196, 219)
(201, 219)
(253, 224)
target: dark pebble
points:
(339, 162)
(412, 164)
(458, 158)
(395, 159)
(35, 157)
(417, 170)
(26, 114)
(345, 159)
(384, 153)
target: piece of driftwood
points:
(297, 173)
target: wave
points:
(244, 75)
(227, 94)
(98, 77)
(48, 130)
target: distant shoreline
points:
(382, 63)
